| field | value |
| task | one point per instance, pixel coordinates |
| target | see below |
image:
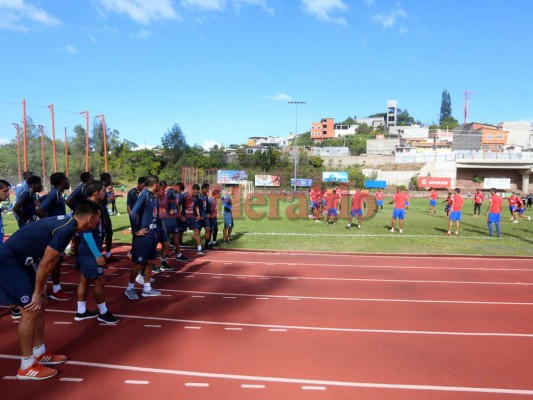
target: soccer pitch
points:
(423, 233)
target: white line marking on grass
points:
(306, 382)
(193, 384)
(133, 382)
(316, 328)
(71, 379)
(253, 386)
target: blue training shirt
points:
(31, 240)
(203, 205)
(53, 203)
(27, 200)
(77, 196)
(145, 213)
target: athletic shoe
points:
(529, 218)
(448, 233)
(36, 372)
(151, 293)
(201, 252)
(401, 231)
(15, 313)
(60, 296)
(515, 222)
(156, 270)
(50, 358)
(182, 258)
(391, 230)
(165, 267)
(140, 279)
(317, 220)
(108, 318)
(359, 227)
(131, 294)
(86, 315)
(457, 233)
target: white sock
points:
(102, 308)
(131, 286)
(178, 255)
(56, 288)
(82, 307)
(39, 350)
(199, 248)
(26, 362)
(147, 287)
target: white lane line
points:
(152, 326)
(104, 324)
(313, 388)
(10, 378)
(192, 327)
(165, 295)
(198, 297)
(293, 298)
(317, 328)
(265, 278)
(242, 277)
(63, 322)
(229, 297)
(190, 276)
(415, 301)
(216, 277)
(375, 280)
(277, 330)
(253, 386)
(71, 379)
(306, 382)
(133, 382)
(194, 384)
(262, 298)
(233, 329)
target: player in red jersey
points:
(478, 200)
(398, 212)
(379, 200)
(433, 196)
(333, 204)
(494, 212)
(455, 213)
(406, 200)
(513, 203)
(357, 208)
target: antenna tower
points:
(467, 106)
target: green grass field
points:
(423, 233)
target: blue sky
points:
(225, 69)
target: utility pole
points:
(294, 148)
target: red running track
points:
(235, 325)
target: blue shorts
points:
(494, 217)
(89, 268)
(379, 202)
(204, 223)
(433, 203)
(228, 220)
(455, 216)
(512, 208)
(315, 204)
(163, 236)
(323, 203)
(406, 204)
(171, 225)
(182, 225)
(144, 248)
(17, 282)
(398, 213)
(192, 223)
(332, 212)
(521, 211)
(213, 223)
(356, 212)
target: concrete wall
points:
(520, 133)
(381, 146)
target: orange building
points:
(493, 140)
(325, 129)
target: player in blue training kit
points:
(78, 194)
(204, 207)
(25, 208)
(53, 204)
(170, 222)
(146, 230)
(91, 262)
(23, 284)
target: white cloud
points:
(208, 5)
(4, 141)
(15, 15)
(322, 9)
(143, 34)
(280, 97)
(142, 11)
(370, 2)
(68, 49)
(388, 20)
(209, 144)
(260, 3)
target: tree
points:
(404, 119)
(445, 106)
(349, 121)
(448, 123)
(174, 144)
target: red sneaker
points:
(36, 372)
(60, 296)
(50, 358)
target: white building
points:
(409, 132)
(520, 133)
(257, 141)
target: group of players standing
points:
(36, 250)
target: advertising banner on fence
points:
(434, 182)
(268, 180)
(302, 182)
(231, 177)
(335, 176)
(370, 184)
(497, 183)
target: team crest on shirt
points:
(25, 299)
(60, 217)
(100, 270)
(140, 259)
(154, 212)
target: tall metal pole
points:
(17, 127)
(25, 146)
(51, 107)
(86, 139)
(66, 152)
(294, 148)
(41, 128)
(102, 118)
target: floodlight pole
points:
(51, 107)
(17, 127)
(294, 148)
(41, 129)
